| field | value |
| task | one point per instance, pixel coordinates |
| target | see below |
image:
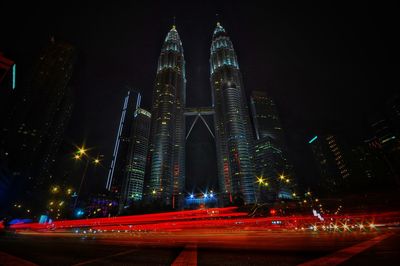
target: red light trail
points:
(217, 218)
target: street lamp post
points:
(81, 153)
(80, 185)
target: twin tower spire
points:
(173, 33)
(233, 137)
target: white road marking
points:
(106, 257)
(188, 256)
(345, 254)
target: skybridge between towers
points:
(199, 112)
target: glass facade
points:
(331, 163)
(232, 123)
(265, 117)
(117, 172)
(167, 147)
(137, 157)
(270, 153)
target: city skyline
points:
(199, 133)
(301, 125)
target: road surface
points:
(202, 247)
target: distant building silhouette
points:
(34, 128)
(332, 163)
(271, 162)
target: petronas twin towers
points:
(233, 136)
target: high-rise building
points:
(393, 110)
(232, 123)
(7, 95)
(34, 128)
(369, 170)
(386, 137)
(55, 133)
(7, 86)
(7, 74)
(270, 153)
(167, 146)
(137, 158)
(272, 166)
(332, 164)
(265, 117)
(120, 158)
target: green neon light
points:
(13, 76)
(312, 140)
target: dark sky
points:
(328, 66)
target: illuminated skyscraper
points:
(167, 148)
(132, 189)
(332, 164)
(232, 124)
(270, 150)
(119, 161)
(265, 117)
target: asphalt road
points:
(219, 247)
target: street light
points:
(260, 180)
(81, 153)
(55, 189)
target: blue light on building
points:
(13, 75)
(201, 200)
(313, 139)
(79, 213)
(43, 219)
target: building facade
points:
(232, 124)
(34, 127)
(167, 148)
(120, 158)
(132, 189)
(271, 160)
(332, 164)
(265, 117)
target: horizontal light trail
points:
(218, 217)
(195, 214)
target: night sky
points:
(328, 67)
